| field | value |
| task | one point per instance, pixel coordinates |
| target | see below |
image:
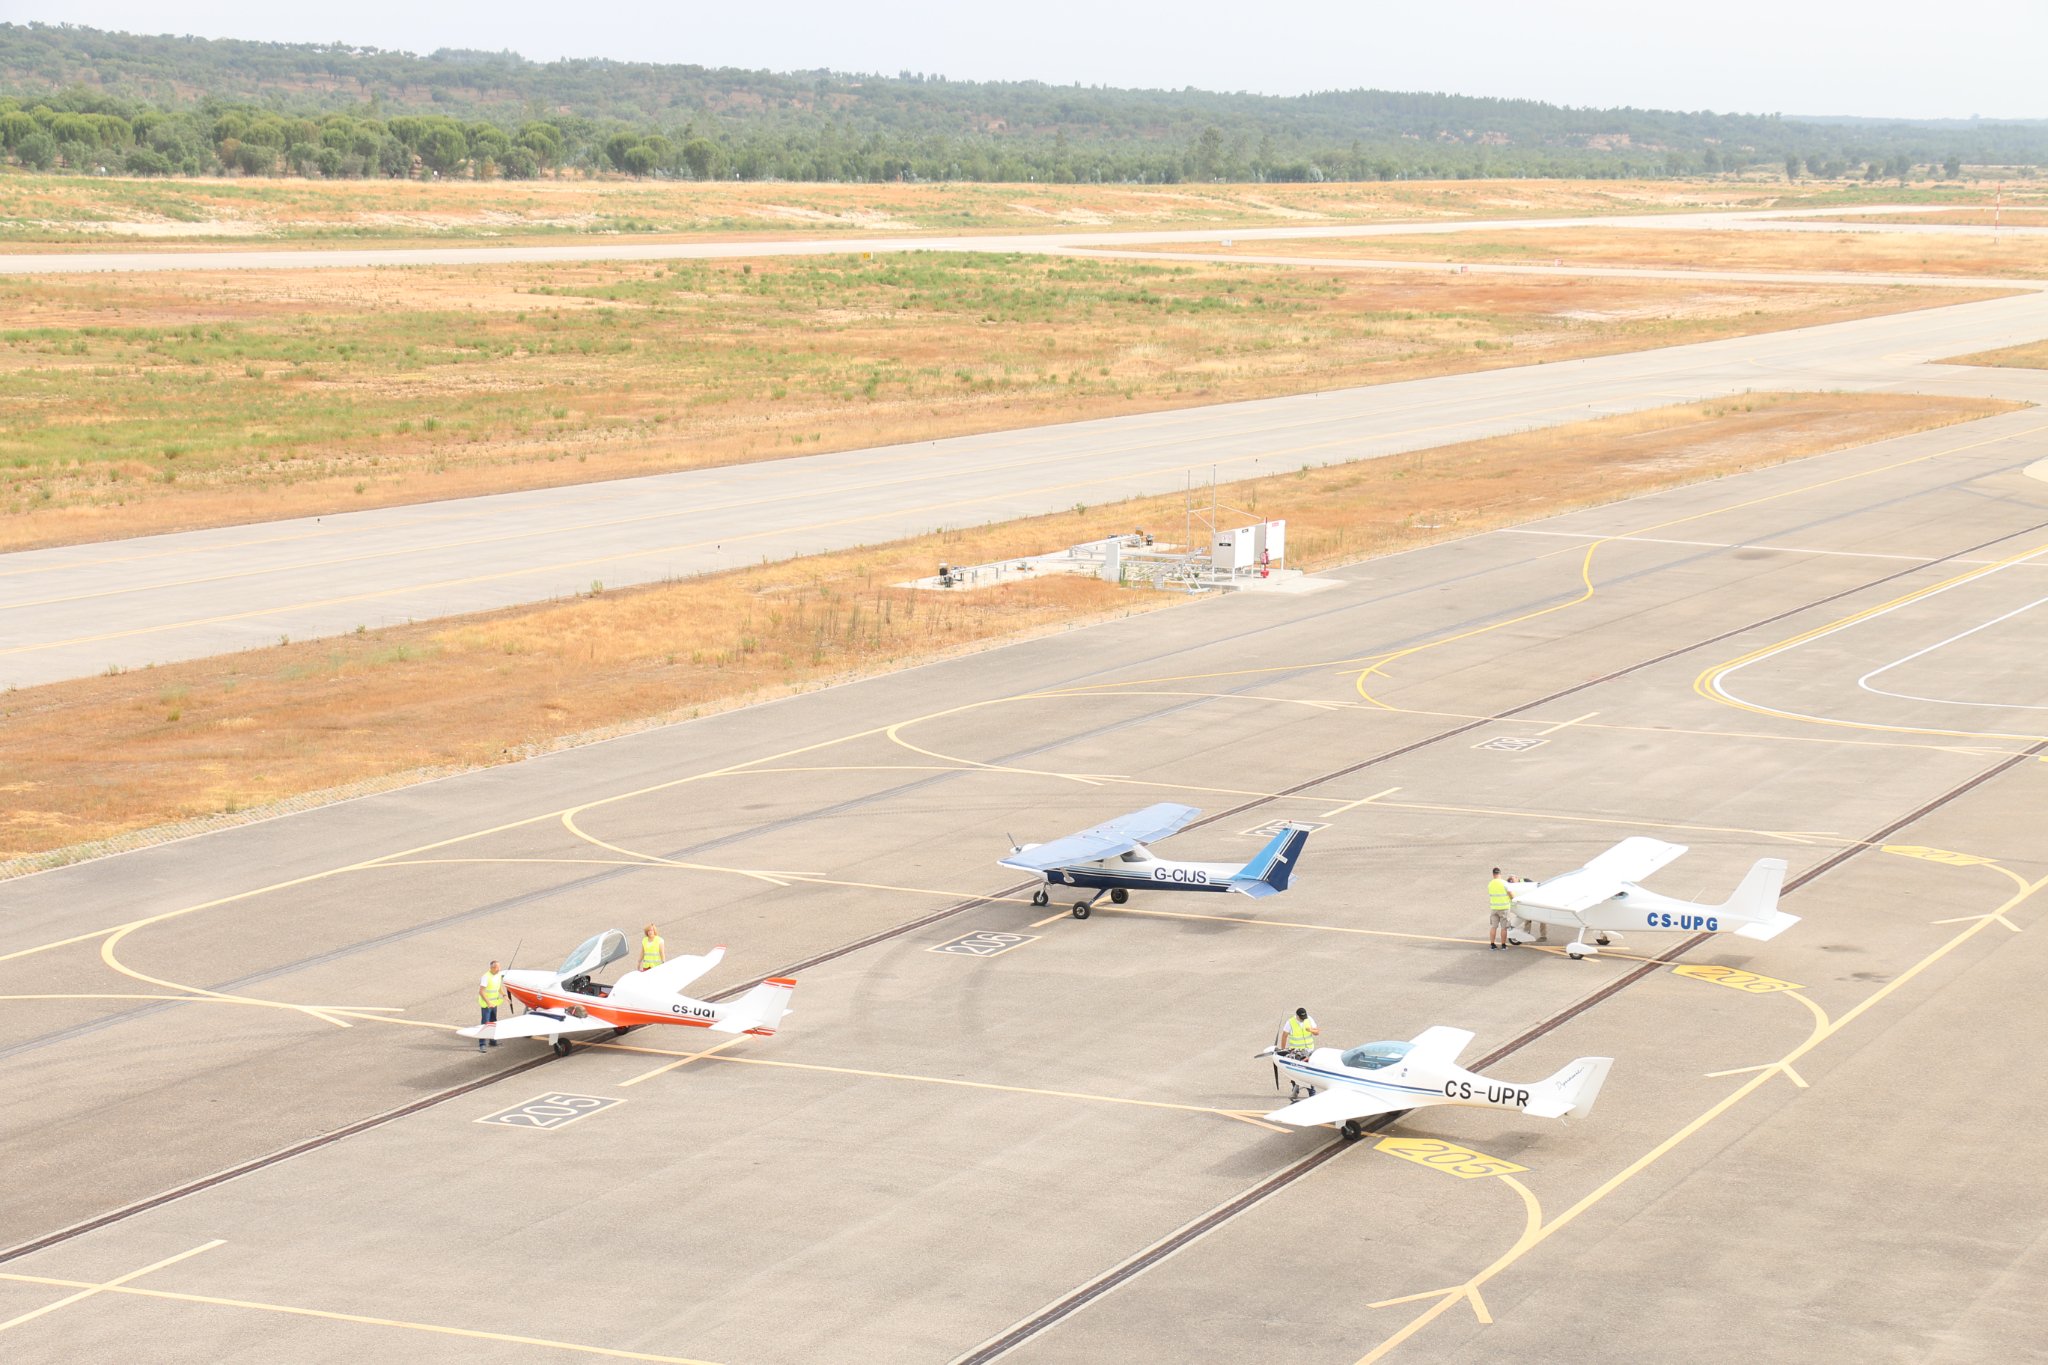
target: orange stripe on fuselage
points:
(618, 1016)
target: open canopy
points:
(593, 953)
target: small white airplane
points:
(1113, 857)
(568, 1001)
(1602, 899)
(1387, 1078)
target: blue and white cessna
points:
(1113, 858)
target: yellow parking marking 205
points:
(1734, 978)
(1447, 1157)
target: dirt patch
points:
(90, 759)
(2032, 356)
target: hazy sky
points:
(1878, 57)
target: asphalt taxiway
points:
(78, 611)
(241, 1127)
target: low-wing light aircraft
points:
(1602, 899)
(569, 1000)
(1387, 1078)
(1113, 857)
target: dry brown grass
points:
(147, 403)
(2008, 216)
(1875, 252)
(2032, 356)
(89, 759)
(62, 211)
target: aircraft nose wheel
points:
(1118, 896)
(562, 1046)
(1353, 1130)
(1082, 910)
(1040, 898)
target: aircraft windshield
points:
(1373, 1056)
(593, 953)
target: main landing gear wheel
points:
(1041, 898)
(1353, 1130)
(1602, 940)
(1082, 910)
(562, 1046)
(1118, 896)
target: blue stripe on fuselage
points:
(1291, 1066)
(1109, 881)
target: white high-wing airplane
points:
(1386, 1078)
(1112, 858)
(1602, 899)
(568, 1001)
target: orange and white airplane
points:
(570, 1000)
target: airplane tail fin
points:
(760, 1010)
(1268, 873)
(1570, 1091)
(1753, 909)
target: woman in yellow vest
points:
(651, 949)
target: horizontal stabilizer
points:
(760, 1010)
(1570, 1091)
(1766, 930)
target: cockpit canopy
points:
(593, 953)
(1373, 1056)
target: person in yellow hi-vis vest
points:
(652, 949)
(1500, 912)
(1301, 1033)
(490, 994)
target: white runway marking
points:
(1864, 681)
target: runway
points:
(77, 611)
(1819, 1147)
(1848, 218)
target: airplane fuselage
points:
(618, 1005)
(1140, 871)
(1416, 1085)
(1628, 911)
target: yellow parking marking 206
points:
(1447, 1157)
(1936, 855)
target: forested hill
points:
(183, 101)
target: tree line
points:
(80, 99)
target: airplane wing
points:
(1105, 840)
(1635, 858)
(678, 972)
(536, 1024)
(1337, 1105)
(1440, 1044)
(1629, 861)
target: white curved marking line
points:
(1719, 687)
(1864, 681)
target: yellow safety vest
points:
(491, 990)
(1497, 895)
(1299, 1039)
(650, 953)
